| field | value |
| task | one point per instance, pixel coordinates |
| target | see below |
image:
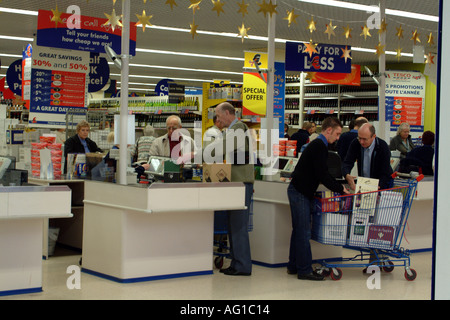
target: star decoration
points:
(144, 20)
(346, 54)
(193, 29)
(430, 58)
(330, 30)
(271, 8)
(56, 16)
(415, 37)
(263, 7)
(243, 8)
(310, 48)
(171, 3)
(218, 6)
(380, 49)
(383, 27)
(365, 32)
(291, 17)
(243, 32)
(430, 39)
(347, 32)
(311, 25)
(113, 20)
(399, 53)
(195, 5)
(399, 32)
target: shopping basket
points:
(221, 248)
(370, 222)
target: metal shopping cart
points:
(221, 247)
(372, 223)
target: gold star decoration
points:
(347, 32)
(271, 8)
(430, 39)
(194, 27)
(263, 7)
(243, 32)
(311, 25)
(383, 27)
(415, 37)
(310, 48)
(218, 6)
(346, 54)
(113, 20)
(430, 58)
(399, 32)
(365, 32)
(144, 20)
(243, 8)
(291, 17)
(379, 49)
(399, 53)
(330, 30)
(56, 16)
(171, 3)
(195, 5)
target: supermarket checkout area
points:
(272, 225)
(24, 211)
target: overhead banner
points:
(253, 59)
(321, 58)
(279, 95)
(59, 81)
(405, 99)
(347, 79)
(254, 94)
(91, 36)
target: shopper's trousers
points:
(238, 234)
(300, 257)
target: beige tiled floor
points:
(264, 284)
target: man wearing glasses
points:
(372, 155)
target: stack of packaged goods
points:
(46, 142)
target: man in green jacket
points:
(240, 155)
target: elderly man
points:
(241, 171)
(174, 143)
(372, 155)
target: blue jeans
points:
(300, 257)
(238, 234)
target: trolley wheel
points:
(336, 274)
(388, 266)
(410, 274)
(218, 262)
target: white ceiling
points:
(228, 21)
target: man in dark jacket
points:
(373, 158)
(310, 171)
(347, 138)
(80, 143)
(302, 135)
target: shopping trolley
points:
(372, 223)
(221, 247)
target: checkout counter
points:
(24, 211)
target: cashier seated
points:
(420, 159)
(174, 144)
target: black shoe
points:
(311, 276)
(232, 272)
(289, 271)
(226, 269)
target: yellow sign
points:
(254, 96)
(251, 58)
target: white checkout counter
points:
(23, 213)
(134, 234)
(272, 226)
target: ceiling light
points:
(16, 38)
(19, 11)
(189, 54)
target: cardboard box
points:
(330, 228)
(329, 202)
(217, 172)
(390, 208)
(381, 237)
(359, 230)
(365, 203)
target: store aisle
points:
(264, 284)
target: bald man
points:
(372, 155)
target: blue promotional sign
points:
(279, 95)
(329, 58)
(162, 88)
(14, 77)
(98, 73)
